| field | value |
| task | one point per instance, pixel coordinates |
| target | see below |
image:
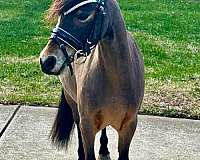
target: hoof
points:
(104, 157)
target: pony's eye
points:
(82, 17)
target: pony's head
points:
(81, 25)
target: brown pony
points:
(101, 71)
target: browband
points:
(79, 5)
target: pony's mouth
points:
(53, 72)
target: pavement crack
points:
(9, 121)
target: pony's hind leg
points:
(125, 137)
(103, 152)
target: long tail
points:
(63, 124)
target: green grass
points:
(23, 32)
(167, 32)
(169, 35)
(23, 35)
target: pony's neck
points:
(114, 47)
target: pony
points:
(101, 71)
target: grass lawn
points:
(168, 33)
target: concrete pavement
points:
(24, 136)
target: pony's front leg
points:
(125, 137)
(81, 154)
(88, 136)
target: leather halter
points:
(61, 37)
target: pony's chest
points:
(69, 84)
(93, 86)
(99, 88)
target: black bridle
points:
(61, 37)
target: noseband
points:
(61, 37)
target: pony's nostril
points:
(48, 64)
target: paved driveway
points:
(24, 136)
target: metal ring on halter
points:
(80, 53)
(81, 61)
(76, 56)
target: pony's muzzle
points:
(48, 64)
